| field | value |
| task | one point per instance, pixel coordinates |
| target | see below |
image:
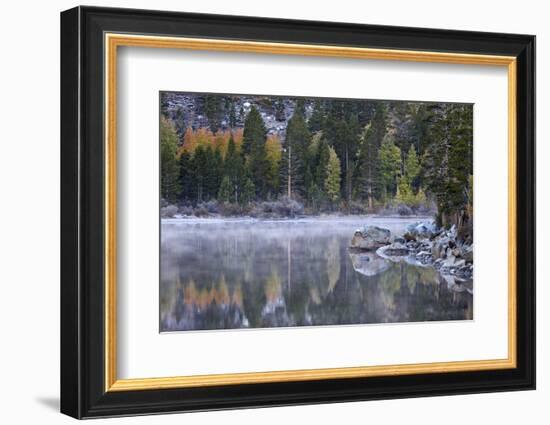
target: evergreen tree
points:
(368, 171)
(420, 122)
(293, 166)
(404, 192)
(317, 120)
(273, 157)
(226, 190)
(185, 175)
(300, 107)
(199, 166)
(232, 114)
(254, 138)
(412, 166)
(234, 169)
(254, 131)
(448, 161)
(389, 157)
(350, 146)
(213, 172)
(169, 175)
(332, 181)
(321, 169)
(209, 174)
(400, 126)
(212, 109)
(249, 192)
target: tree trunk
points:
(289, 182)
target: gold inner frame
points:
(113, 41)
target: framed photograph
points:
(261, 212)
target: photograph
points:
(282, 211)
(265, 209)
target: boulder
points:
(370, 238)
(421, 230)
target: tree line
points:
(339, 153)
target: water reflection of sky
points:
(227, 274)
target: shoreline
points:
(305, 218)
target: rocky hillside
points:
(223, 112)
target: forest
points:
(239, 155)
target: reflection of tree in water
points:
(274, 277)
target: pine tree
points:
(420, 123)
(212, 109)
(254, 147)
(273, 157)
(234, 169)
(389, 157)
(254, 131)
(199, 169)
(321, 169)
(169, 176)
(215, 165)
(412, 166)
(232, 114)
(300, 107)
(404, 192)
(226, 191)
(317, 120)
(448, 161)
(293, 165)
(400, 126)
(332, 181)
(209, 174)
(368, 170)
(185, 175)
(249, 192)
(350, 146)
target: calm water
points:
(222, 274)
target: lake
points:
(244, 273)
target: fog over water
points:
(244, 273)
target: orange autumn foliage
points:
(192, 139)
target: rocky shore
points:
(422, 244)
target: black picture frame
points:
(83, 392)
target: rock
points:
(396, 249)
(421, 230)
(459, 263)
(409, 237)
(449, 262)
(368, 264)
(468, 253)
(452, 232)
(399, 239)
(370, 238)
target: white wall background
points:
(29, 215)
